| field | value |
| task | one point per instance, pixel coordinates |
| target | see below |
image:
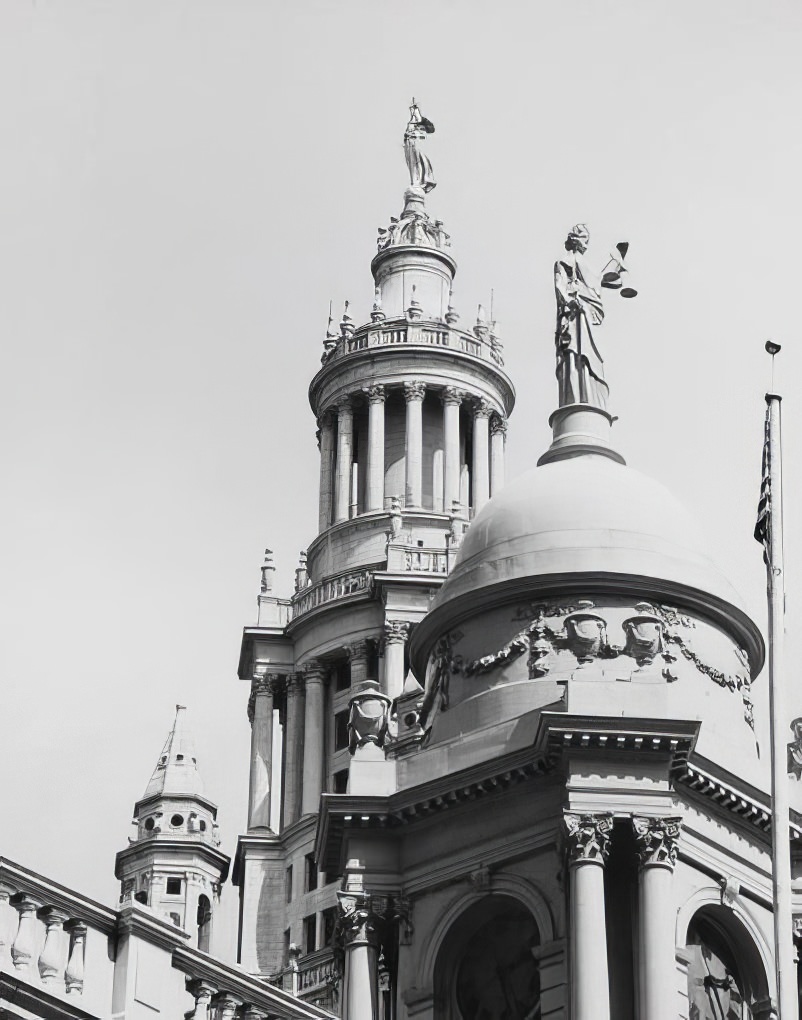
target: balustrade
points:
(427, 334)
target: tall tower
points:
(411, 411)
(174, 864)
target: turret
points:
(173, 863)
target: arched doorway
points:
(726, 978)
(204, 924)
(487, 969)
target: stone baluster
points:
(7, 916)
(25, 943)
(481, 454)
(294, 738)
(260, 713)
(375, 480)
(314, 723)
(588, 838)
(362, 929)
(451, 398)
(53, 958)
(414, 393)
(345, 457)
(74, 975)
(326, 442)
(657, 842)
(396, 633)
(202, 993)
(498, 436)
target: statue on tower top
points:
(580, 366)
(421, 174)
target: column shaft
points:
(314, 707)
(261, 714)
(452, 398)
(414, 393)
(294, 738)
(498, 433)
(657, 842)
(361, 982)
(375, 482)
(326, 471)
(345, 453)
(396, 633)
(481, 455)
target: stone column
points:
(414, 393)
(358, 656)
(203, 992)
(362, 930)
(451, 398)
(53, 959)
(345, 456)
(260, 713)
(588, 838)
(396, 633)
(657, 840)
(314, 726)
(294, 745)
(481, 455)
(498, 436)
(326, 443)
(7, 917)
(375, 482)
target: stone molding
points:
(414, 391)
(588, 837)
(657, 840)
(314, 672)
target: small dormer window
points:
(179, 757)
(176, 821)
(149, 824)
(173, 886)
(202, 825)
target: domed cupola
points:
(584, 586)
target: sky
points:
(184, 186)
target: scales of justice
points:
(582, 423)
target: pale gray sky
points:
(183, 187)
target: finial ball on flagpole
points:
(773, 348)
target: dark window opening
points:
(149, 824)
(373, 660)
(141, 897)
(341, 781)
(204, 920)
(177, 820)
(341, 675)
(310, 933)
(311, 872)
(289, 884)
(341, 730)
(175, 918)
(329, 925)
(173, 886)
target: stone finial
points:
(268, 570)
(451, 316)
(377, 315)
(346, 323)
(481, 329)
(301, 572)
(330, 339)
(414, 312)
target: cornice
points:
(156, 846)
(138, 921)
(37, 1001)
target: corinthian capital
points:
(588, 837)
(657, 840)
(362, 918)
(481, 408)
(452, 395)
(414, 391)
(498, 425)
(376, 394)
(265, 684)
(396, 631)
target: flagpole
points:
(785, 967)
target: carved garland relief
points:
(651, 636)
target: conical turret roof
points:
(176, 771)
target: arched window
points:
(486, 969)
(726, 978)
(204, 924)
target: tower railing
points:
(393, 332)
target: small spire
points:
(267, 572)
(346, 323)
(176, 770)
(481, 328)
(451, 315)
(377, 315)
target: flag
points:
(763, 523)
